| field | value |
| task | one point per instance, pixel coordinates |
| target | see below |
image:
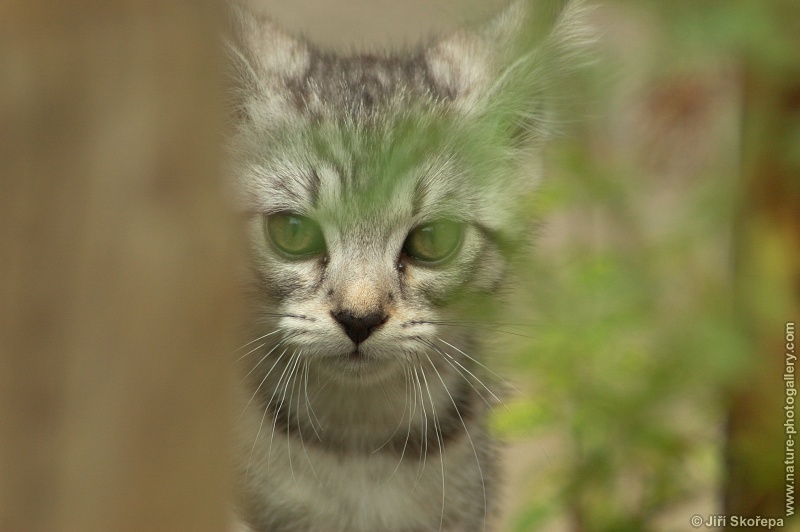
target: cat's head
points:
(384, 193)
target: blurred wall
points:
(116, 278)
(374, 24)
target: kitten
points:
(384, 198)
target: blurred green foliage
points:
(635, 342)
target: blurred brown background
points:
(651, 387)
(116, 268)
(364, 24)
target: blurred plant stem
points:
(767, 289)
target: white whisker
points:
(469, 437)
(399, 424)
(312, 416)
(481, 365)
(257, 339)
(465, 376)
(438, 429)
(299, 428)
(409, 391)
(263, 381)
(261, 424)
(259, 346)
(424, 443)
(469, 325)
(276, 346)
(275, 413)
(288, 409)
(469, 372)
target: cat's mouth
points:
(360, 364)
(360, 360)
(356, 356)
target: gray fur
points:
(389, 434)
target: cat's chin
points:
(357, 356)
(359, 365)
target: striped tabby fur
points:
(365, 393)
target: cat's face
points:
(381, 201)
(362, 241)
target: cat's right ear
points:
(260, 58)
(509, 69)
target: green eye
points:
(434, 242)
(294, 235)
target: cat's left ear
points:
(261, 58)
(505, 69)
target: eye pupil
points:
(295, 227)
(293, 235)
(434, 242)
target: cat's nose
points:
(358, 328)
